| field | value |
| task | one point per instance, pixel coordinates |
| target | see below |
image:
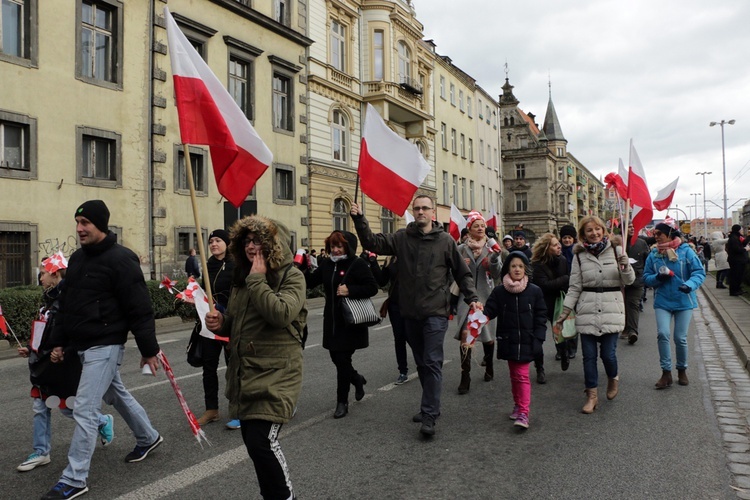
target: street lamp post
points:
(723, 168)
(695, 195)
(705, 221)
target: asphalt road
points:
(644, 444)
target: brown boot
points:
(613, 387)
(489, 351)
(463, 387)
(208, 417)
(665, 381)
(682, 377)
(592, 402)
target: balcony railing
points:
(411, 85)
(341, 78)
(396, 91)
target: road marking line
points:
(162, 382)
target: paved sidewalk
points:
(734, 315)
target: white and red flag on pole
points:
(638, 194)
(663, 198)
(492, 218)
(409, 217)
(391, 169)
(209, 116)
(623, 173)
(3, 324)
(194, 294)
(457, 224)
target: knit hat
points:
(472, 217)
(95, 211)
(736, 228)
(520, 234)
(506, 264)
(667, 229)
(219, 233)
(508, 237)
(568, 230)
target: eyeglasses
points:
(255, 241)
(423, 209)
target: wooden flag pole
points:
(199, 234)
(356, 188)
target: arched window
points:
(340, 215)
(387, 221)
(339, 136)
(404, 63)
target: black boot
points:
(359, 387)
(489, 351)
(463, 387)
(341, 410)
(541, 377)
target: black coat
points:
(337, 336)
(521, 322)
(220, 273)
(552, 277)
(736, 253)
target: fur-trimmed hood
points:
(614, 241)
(274, 236)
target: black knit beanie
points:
(219, 233)
(97, 212)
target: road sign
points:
(685, 228)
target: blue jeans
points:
(663, 326)
(426, 339)
(608, 353)
(43, 426)
(100, 379)
(399, 336)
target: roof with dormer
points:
(528, 120)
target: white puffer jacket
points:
(594, 293)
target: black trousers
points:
(261, 441)
(633, 294)
(736, 272)
(211, 353)
(346, 375)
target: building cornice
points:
(332, 91)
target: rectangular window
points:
(99, 157)
(282, 105)
(16, 252)
(471, 149)
(562, 201)
(468, 107)
(443, 136)
(495, 159)
(454, 149)
(453, 94)
(481, 151)
(489, 195)
(479, 109)
(522, 203)
(463, 192)
(560, 152)
(560, 173)
(186, 238)
(446, 200)
(338, 46)
(461, 100)
(387, 221)
(483, 194)
(200, 172)
(15, 28)
(471, 195)
(489, 156)
(281, 12)
(463, 146)
(17, 146)
(455, 190)
(100, 49)
(442, 86)
(239, 87)
(520, 170)
(283, 185)
(487, 113)
(378, 47)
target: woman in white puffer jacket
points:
(721, 258)
(600, 268)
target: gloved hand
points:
(684, 288)
(623, 260)
(664, 273)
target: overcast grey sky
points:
(656, 71)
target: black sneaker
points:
(417, 418)
(62, 491)
(141, 452)
(428, 426)
(541, 377)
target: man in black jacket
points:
(428, 263)
(633, 293)
(105, 297)
(737, 257)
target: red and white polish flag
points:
(638, 194)
(194, 294)
(457, 224)
(391, 169)
(209, 116)
(663, 198)
(492, 218)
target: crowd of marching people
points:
(584, 284)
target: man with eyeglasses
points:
(428, 263)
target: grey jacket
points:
(485, 270)
(427, 265)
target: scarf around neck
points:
(476, 246)
(669, 248)
(596, 248)
(515, 286)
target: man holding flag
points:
(428, 263)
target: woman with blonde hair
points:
(551, 275)
(600, 269)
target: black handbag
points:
(195, 347)
(358, 312)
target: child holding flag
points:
(521, 328)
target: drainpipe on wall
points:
(149, 97)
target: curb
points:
(736, 334)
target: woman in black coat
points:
(343, 274)
(552, 276)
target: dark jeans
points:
(721, 276)
(633, 294)
(211, 353)
(399, 336)
(261, 441)
(736, 272)
(426, 338)
(345, 374)
(607, 351)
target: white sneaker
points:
(34, 460)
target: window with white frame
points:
(481, 151)
(99, 157)
(446, 199)
(520, 170)
(454, 146)
(471, 195)
(461, 100)
(479, 109)
(340, 136)
(522, 202)
(489, 156)
(282, 102)
(404, 63)
(283, 185)
(471, 149)
(340, 215)
(18, 34)
(487, 113)
(562, 203)
(17, 146)
(482, 195)
(495, 159)
(468, 107)
(560, 152)
(455, 190)
(453, 94)
(239, 84)
(444, 136)
(463, 146)
(199, 167)
(560, 173)
(99, 43)
(281, 11)
(489, 195)
(387, 221)
(338, 45)
(442, 86)
(463, 192)
(378, 48)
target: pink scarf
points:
(515, 286)
(669, 248)
(476, 246)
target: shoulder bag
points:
(358, 311)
